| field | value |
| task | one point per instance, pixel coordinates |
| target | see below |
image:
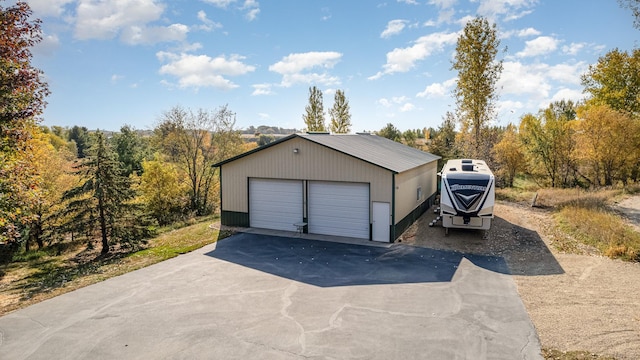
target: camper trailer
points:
(467, 194)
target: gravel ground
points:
(577, 302)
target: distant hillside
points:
(268, 130)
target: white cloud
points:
(528, 32)
(384, 102)
(520, 79)
(115, 78)
(135, 35)
(394, 27)
(294, 67)
(445, 11)
(207, 24)
(438, 90)
(253, 9)
(444, 4)
(520, 33)
(575, 95)
(539, 46)
(404, 59)
(538, 80)
(573, 48)
(261, 89)
(220, 3)
(407, 107)
(44, 8)
(198, 71)
(105, 19)
(410, 2)
(511, 9)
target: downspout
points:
(220, 191)
(393, 207)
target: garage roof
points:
(373, 149)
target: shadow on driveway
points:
(328, 264)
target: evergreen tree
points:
(314, 116)
(340, 116)
(80, 136)
(100, 201)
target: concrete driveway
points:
(255, 296)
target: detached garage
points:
(360, 186)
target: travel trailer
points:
(467, 195)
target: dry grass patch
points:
(593, 224)
(552, 354)
(586, 222)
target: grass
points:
(523, 191)
(585, 221)
(42, 274)
(552, 354)
(591, 222)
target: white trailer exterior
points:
(467, 194)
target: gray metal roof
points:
(374, 149)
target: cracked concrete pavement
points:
(259, 296)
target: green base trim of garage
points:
(234, 218)
(401, 226)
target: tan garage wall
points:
(407, 184)
(311, 162)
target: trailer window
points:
(419, 193)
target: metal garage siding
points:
(275, 204)
(339, 208)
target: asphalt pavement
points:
(254, 296)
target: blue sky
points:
(115, 62)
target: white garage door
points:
(275, 203)
(337, 208)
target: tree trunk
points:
(103, 228)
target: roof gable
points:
(373, 149)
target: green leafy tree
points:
(478, 73)
(22, 100)
(548, 142)
(102, 199)
(409, 138)
(132, 150)
(340, 115)
(265, 139)
(390, 132)
(314, 111)
(615, 81)
(194, 142)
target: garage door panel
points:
(275, 204)
(340, 209)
